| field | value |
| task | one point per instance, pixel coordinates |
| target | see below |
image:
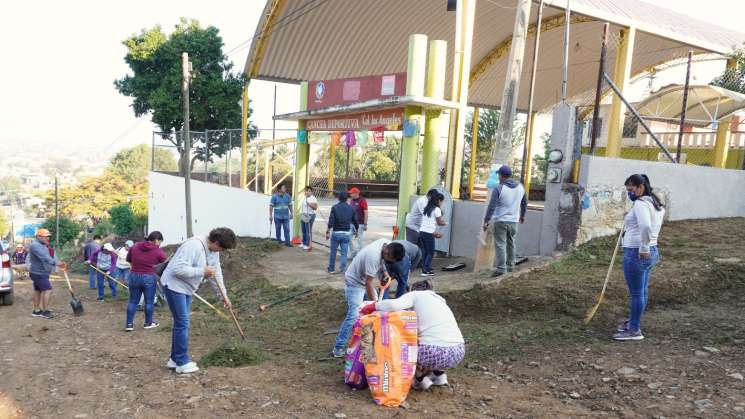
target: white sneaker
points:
(439, 380)
(423, 385)
(152, 325)
(187, 368)
(304, 247)
(171, 365)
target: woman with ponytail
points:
(642, 226)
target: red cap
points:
(354, 190)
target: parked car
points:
(6, 275)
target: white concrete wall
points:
(689, 192)
(246, 212)
(466, 226)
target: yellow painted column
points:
(415, 75)
(621, 75)
(302, 155)
(721, 147)
(474, 151)
(465, 16)
(244, 139)
(332, 162)
(529, 152)
(433, 124)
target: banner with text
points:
(325, 93)
(388, 120)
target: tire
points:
(7, 299)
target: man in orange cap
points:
(42, 265)
(359, 205)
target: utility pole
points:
(503, 144)
(186, 136)
(56, 214)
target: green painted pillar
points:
(415, 75)
(300, 177)
(434, 119)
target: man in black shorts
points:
(42, 265)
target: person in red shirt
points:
(143, 257)
(359, 204)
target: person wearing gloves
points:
(642, 227)
(142, 279)
(105, 260)
(441, 344)
(196, 259)
(42, 264)
(122, 265)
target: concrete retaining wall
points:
(212, 206)
(466, 227)
(689, 192)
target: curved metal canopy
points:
(300, 40)
(706, 104)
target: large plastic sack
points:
(354, 367)
(390, 361)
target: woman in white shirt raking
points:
(441, 345)
(642, 227)
(431, 218)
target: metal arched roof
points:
(300, 40)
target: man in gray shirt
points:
(196, 259)
(366, 266)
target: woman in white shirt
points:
(414, 217)
(642, 226)
(308, 208)
(431, 218)
(441, 344)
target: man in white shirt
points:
(308, 208)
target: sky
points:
(59, 61)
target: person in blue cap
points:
(506, 209)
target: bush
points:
(104, 228)
(68, 229)
(123, 219)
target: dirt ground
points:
(529, 354)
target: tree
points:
(541, 161)
(733, 78)
(488, 122)
(10, 184)
(123, 219)
(91, 200)
(68, 229)
(155, 83)
(139, 210)
(133, 164)
(4, 224)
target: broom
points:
(594, 309)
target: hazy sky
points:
(60, 58)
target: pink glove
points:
(367, 309)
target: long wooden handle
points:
(108, 276)
(217, 310)
(232, 313)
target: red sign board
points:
(391, 120)
(325, 93)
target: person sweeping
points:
(642, 227)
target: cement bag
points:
(354, 367)
(390, 362)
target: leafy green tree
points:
(90, 200)
(154, 58)
(68, 229)
(133, 164)
(488, 123)
(123, 219)
(541, 161)
(104, 228)
(733, 78)
(140, 211)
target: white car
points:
(6, 275)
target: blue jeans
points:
(307, 229)
(636, 271)
(339, 239)
(101, 287)
(91, 277)
(180, 306)
(141, 284)
(400, 272)
(355, 296)
(427, 244)
(122, 274)
(279, 227)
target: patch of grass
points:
(233, 354)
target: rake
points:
(594, 309)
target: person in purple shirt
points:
(105, 260)
(88, 250)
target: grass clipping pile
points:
(233, 354)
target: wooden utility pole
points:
(503, 144)
(186, 136)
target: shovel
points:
(77, 306)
